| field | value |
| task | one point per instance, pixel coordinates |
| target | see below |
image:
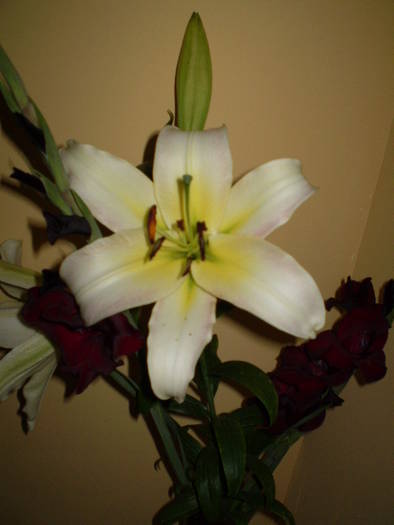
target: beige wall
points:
(357, 440)
(310, 79)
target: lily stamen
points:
(156, 247)
(186, 180)
(201, 228)
(151, 223)
(189, 261)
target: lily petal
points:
(254, 275)
(117, 193)
(11, 251)
(206, 156)
(12, 331)
(266, 198)
(179, 328)
(115, 273)
(18, 276)
(34, 390)
(22, 362)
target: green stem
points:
(159, 417)
(207, 386)
(124, 382)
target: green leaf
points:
(159, 417)
(183, 506)
(52, 153)
(264, 477)
(53, 193)
(274, 453)
(193, 83)
(9, 98)
(278, 509)
(13, 79)
(206, 381)
(257, 441)
(254, 380)
(208, 484)
(191, 446)
(190, 407)
(232, 449)
(94, 228)
(249, 416)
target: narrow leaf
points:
(232, 448)
(190, 407)
(278, 509)
(254, 380)
(9, 98)
(264, 477)
(275, 452)
(191, 446)
(53, 193)
(205, 378)
(13, 79)
(95, 230)
(183, 506)
(193, 81)
(208, 484)
(52, 154)
(159, 417)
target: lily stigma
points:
(184, 240)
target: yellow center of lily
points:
(186, 238)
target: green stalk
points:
(207, 386)
(159, 417)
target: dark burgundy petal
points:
(53, 307)
(363, 331)
(388, 298)
(62, 225)
(316, 348)
(85, 351)
(373, 368)
(353, 294)
(293, 357)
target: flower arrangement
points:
(183, 238)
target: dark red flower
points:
(85, 351)
(330, 357)
(353, 294)
(363, 333)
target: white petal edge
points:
(118, 194)
(23, 362)
(206, 156)
(34, 390)
(266, 198)
(259, 277)
(11, 251)
(179, 328)
(18, 276)
(114, 273)
(12, 331)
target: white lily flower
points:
(32, 359)
(208, 243)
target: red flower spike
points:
(85, 351)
